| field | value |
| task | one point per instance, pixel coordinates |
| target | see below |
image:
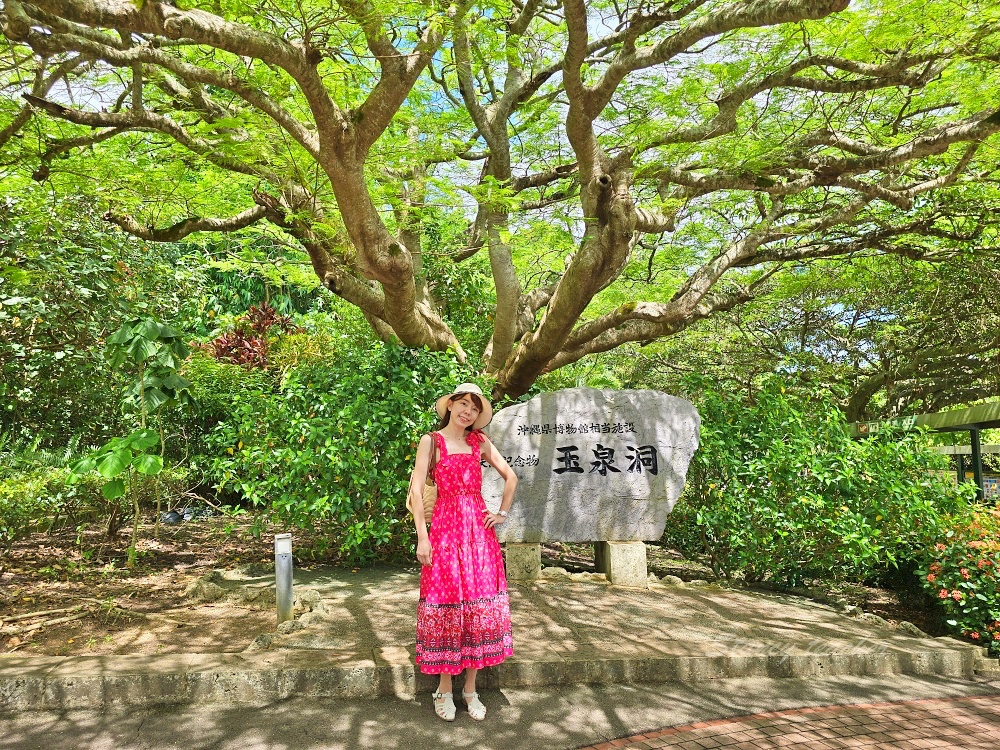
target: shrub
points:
(333, 448)
(248, 343)
(66, 281)
(217, 390)
(961, 572)
(40, 498)
(779, 491)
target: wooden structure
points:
(973, 420)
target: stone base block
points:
(524, 561)
(623, 562)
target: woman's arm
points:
(416, 497)
(494, 459)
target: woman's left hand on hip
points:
(492, 519)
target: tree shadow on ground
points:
(527, 719)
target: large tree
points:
(888, 335)
(629, 167)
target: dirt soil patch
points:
(73, 594)
(68, 593)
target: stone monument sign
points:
(592, 466)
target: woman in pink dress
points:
(463, 616)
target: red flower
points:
(931, 577)
(956, 595)
(935, 567)
(974, 635)
(939, 547)
(943, 594)
(965, 573)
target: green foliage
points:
(778, 491)
(892, 336)
(962, 572)
(463, 291)
(155, 351)
(217, 388)
(38, 498)
(117, 457)
(333, 448)
(67, 282)
(158, 350)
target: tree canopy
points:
(629, 168)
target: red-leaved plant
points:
(247, 344)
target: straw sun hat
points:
(441, 406)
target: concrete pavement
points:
(357, 642)
(524, 718)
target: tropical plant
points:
(157, 351)
(961, 571)
(248, 343)
(66, 284)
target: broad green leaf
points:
(141, 349)
(121, 337)
(85, 464)
(142, 439)
(114, 463)
(176, 382)
(114, 489)
(167, 332)
(148, 329)
(148, 464)
(155, 398)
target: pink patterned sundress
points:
(463, 616)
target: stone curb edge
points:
(95, 682)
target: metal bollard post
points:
(283, 575)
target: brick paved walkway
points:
(933, 723)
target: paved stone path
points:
(357, 642)
(966, 722)
(548, 718)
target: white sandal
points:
(444, 706)
(476, 708)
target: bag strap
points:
(433, 460)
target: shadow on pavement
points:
(519, 718)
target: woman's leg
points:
(444, 686)
(476, 708)
(470, 680)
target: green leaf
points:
(176, 383)
(114, 489)
(167, 332)
(141, 349)
(155, 398)
(148, 329)
(142, 439)
(114, 463)
(116, 356)
(121, 337)
(83, 466)
(148, 464)
(166, 358)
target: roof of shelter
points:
(978, 417)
